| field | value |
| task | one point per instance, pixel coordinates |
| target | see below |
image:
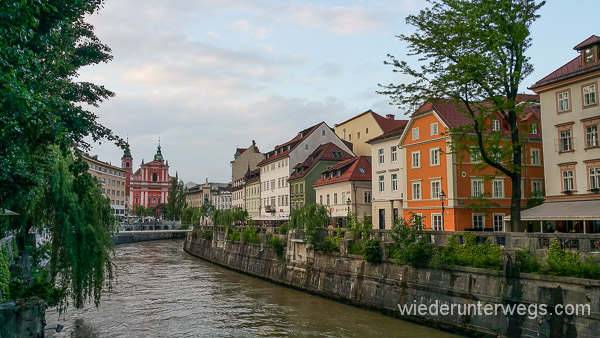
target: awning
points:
(6, 212)
(269, 218)
(563, 211)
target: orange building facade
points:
(474, 199)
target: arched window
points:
(127, 164)
(154, 177)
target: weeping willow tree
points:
(81, 223)
(310, 218)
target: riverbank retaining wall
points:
(22, 320)
(141, 236)
(386, 286)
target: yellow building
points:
(363, 127)
(113, 184)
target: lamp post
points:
(442, 198)
(348, 204)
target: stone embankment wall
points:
(141, 236)
(383, 287)
(23, 320)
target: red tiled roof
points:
(589, 41)
(281, 152)
(323, 153)
(350, 171)
(393, 132)
(240, 150)
(572, 68)
(253, 176)
(384, 123)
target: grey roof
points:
(564, 210)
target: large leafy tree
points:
(473, 53)
(177, 199)
(43, 124)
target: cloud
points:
(245, 27)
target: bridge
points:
(147, 235)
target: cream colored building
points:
(363, 127)
(388, 177)
(112, 180)
(570, 130)
(346, 187)
(252, 193)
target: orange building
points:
(436, 175)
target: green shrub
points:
(355, 248)
(4, 273)
(277, 245)
(250, 235)
(570, 264)
(283, 229)
(329, 245)
(234, 236)
(485, 256)
(528, 262)
(372, 249)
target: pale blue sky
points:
(209, 76)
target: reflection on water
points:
(163, 292)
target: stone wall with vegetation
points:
(386, 285)
(22, 320)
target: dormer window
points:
(588, 55)
(495, 125)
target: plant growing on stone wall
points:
(359, 228)
(372, 250)
(283, 229)
(410, 245)
(528, 262)
(277, 245)
(234, 236)
(310, 218)
(567, 263)
(4, 273)
(486, 256)
(250, 235)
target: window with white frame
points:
(394, 182)
(498, 188)
(416, 159)
(566, 143)
(475, 155)
(478, 221)
(321, 199)
(394, 152)
(523, 188)
(594, 178)
(589, 95)
(476, 187)
(381, 156)
(343, 197)
(568, 180)
(367, 196)
(416, 190)
(436, 222)
(415, 133)
(533, 127)
(433, 128)
(436, 189)
(335, 200)
(381, 183)
(591, 136)
(498, 222)
(434, 156)
(563, 101)
(535, 156)
(495, 125)
(328, 201)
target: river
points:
(163, 292)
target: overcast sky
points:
(208, 76)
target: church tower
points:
(127, 164)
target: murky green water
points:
(164, 292)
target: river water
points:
(161, 291)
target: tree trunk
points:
(515, 203)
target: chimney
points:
(253, 143)
(390, 116)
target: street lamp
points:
(442, 198)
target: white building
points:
(277, 165)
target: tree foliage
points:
(43, 125)
(473, 53)
(310, 218)
(177, 200)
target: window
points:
(498, 188)
(321, 199)
(306, 146)
(478, 221)
(475, 155)
(381, 183)
(361, 170)
(381, 156)
(568, 180)
(433, 128)
(435, 189)
(367, 196)
(416, 159)
(533, 127)
(591, 136)
(563, 101)
(394, 153)
(495, 125)
(358, 135)
(588, 55)
(594, 178)
(323, 132)
(343, 196)
(589, 95)
(476, 187)
(349, 137)
(565, 140)
(434, 156)
(535, 156)
(366, 130)
(301, 188)
(436, 222)
(416, 190)
(415, 133)
(335, 201)
(498, 222)
(328, 201)
(394, 182)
